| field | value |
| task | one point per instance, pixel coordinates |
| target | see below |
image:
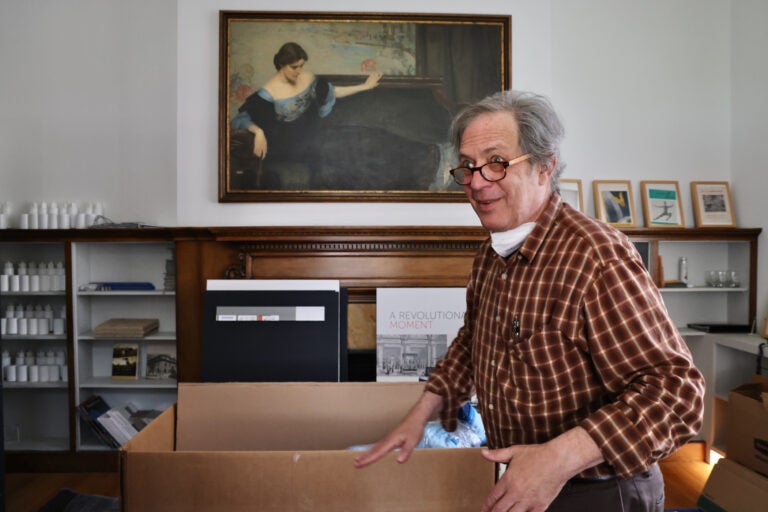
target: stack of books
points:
(114, 426)
(126, 328)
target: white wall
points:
(644, 89)
(88, 105)
(750, 128)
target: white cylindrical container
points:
(23, 326)
(3, 325)
(15, 283)
(64, 372)
(42, 326)
(34, 373)
(34, 220)
(54, 373)
(80, 221)
(34, 283)
(3, 221)
(25, 286)
(58, 326)
(5, 283)
(24, 222)
(45, 283)
(32, 326)
(22, 373)
(12, 325)
(64, 220)
(45, 373)
(10, 375)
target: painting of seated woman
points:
(377, 128)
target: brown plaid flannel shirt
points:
(570, 330)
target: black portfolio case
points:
(253, 336)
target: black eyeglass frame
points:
(468, 177)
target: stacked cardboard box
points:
(740, 481)
(283, 447)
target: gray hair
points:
(540, 128)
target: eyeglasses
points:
(490, 171)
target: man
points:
(582, 380)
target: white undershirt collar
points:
(507, 242)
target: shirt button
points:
(490, 407)
(498, 319)
(504, 275)
(493, 363)
(519, 257)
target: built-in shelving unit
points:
(122, 262)
(36, 392)
(44, 433)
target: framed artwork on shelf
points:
(331, 106)
(570, 191)
(712, 205)
(614, 203)
(662, 207)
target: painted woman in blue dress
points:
(284, 114)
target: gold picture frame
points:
(570, 191)
(662, 207)
(712, 204)
(614, 203)
(339, 133)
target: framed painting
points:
(349, 106)
(614, 203)
(570, 191)
(661, 204)
(712, 204)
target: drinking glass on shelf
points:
(733, 278)
(711, 279)
(722, 279)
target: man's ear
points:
(546, 169)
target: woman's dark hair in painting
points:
(288, 54)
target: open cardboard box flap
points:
(289, 416)
(281, 446)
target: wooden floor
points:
(685, 474)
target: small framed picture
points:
(712, 204)
(661, 204)
(614, 203)
(570, 191)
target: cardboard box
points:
(282, 446)
(734, 488)
(747, 426)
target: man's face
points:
(522, 194)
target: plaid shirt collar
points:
(544, 223)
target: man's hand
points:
(406, 435)
(536, 473)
